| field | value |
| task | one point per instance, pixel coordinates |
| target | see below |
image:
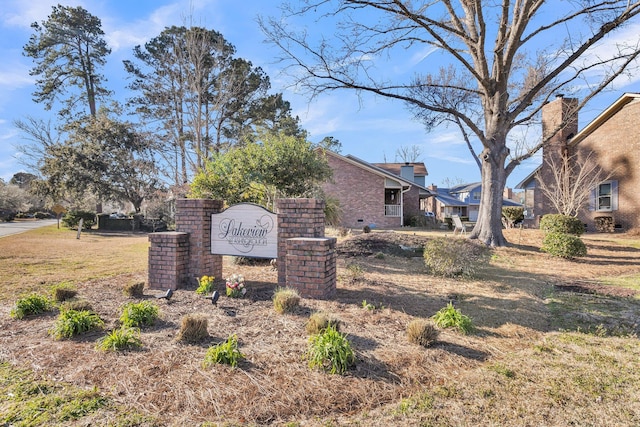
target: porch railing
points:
(392, 210)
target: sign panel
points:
(245, 230)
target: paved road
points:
(15, 227)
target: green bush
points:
(42, 215)
(30, 305)
(557, 223)
(450, 257)
(513, 214)
(71, 323)
(226, 353)
(366, 229)
(563, 245)
(285, 300)
(120, 339)
(451, 317)
(331, 351)
(72, 218)
(205, 285)
(139, 314)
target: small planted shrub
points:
(63, 292)
(226, 353)
(330, 351)
(451, 317)
(134, 290)
(30, 305)
(354, 272)
(449, 257)
(193, 328)
(370, 306)
(563, 245)
(285, 300)
(205, 285)
(319, 321)
(422, 332)
(71, 323)
(366, 229)
(557, 223)
(120, 339)
(137, 315)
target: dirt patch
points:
(596, 288)
(385, 242)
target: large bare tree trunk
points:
(488, 227)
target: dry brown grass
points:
(479, 379)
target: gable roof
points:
(376, 170)
(445, 195)
(618, 105)
(419, 168)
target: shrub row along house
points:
(610, 144)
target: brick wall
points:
(616, 146)
(168, 260)
(311, 266)
(193, 216)
(297, 218)
(361, 195)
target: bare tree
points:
(494, 75)
(570, 181)
(409, 153)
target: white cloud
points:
(21, 13)
(15, 76)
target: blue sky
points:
(369, 128)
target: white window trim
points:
(597, 201)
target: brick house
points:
(612, 140)
(383, 195)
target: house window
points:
(475, 195)
(605, 196)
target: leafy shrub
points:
(30, 305)
(205, 285)
(369, 306)
(134, 290)
(120, 339)
(7, 216)
(72, 218)
(366, 229)
(319, 321)
(451, 317)
(379, 255)
(331, 351)
(139, 314)
(71, 323)
(563, 245)
(513, 214)
(226, 353)
(285, 300)
(42, 215)
(422, 332)
(63, 292)
(193, 328)
(449, 257)
(557, 223)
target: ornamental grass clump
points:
(330, 351)
(134, 290)
(120, 339)
(137, 315)
(71, 323)
(285, 300)
(450, 257)
(319, 321)
(205, 285)
(226, 353)
(193, 328)
(30, 305)
(422, 332)
(63, 292)
(451, 317)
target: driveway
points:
(16, 227)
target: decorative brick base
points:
(311, 266)
(168, 260)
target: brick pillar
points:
(193, 216)
(168, 260)
(311, 266)
(297, 218)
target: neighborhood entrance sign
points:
(246, 230)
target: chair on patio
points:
(458, 225)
